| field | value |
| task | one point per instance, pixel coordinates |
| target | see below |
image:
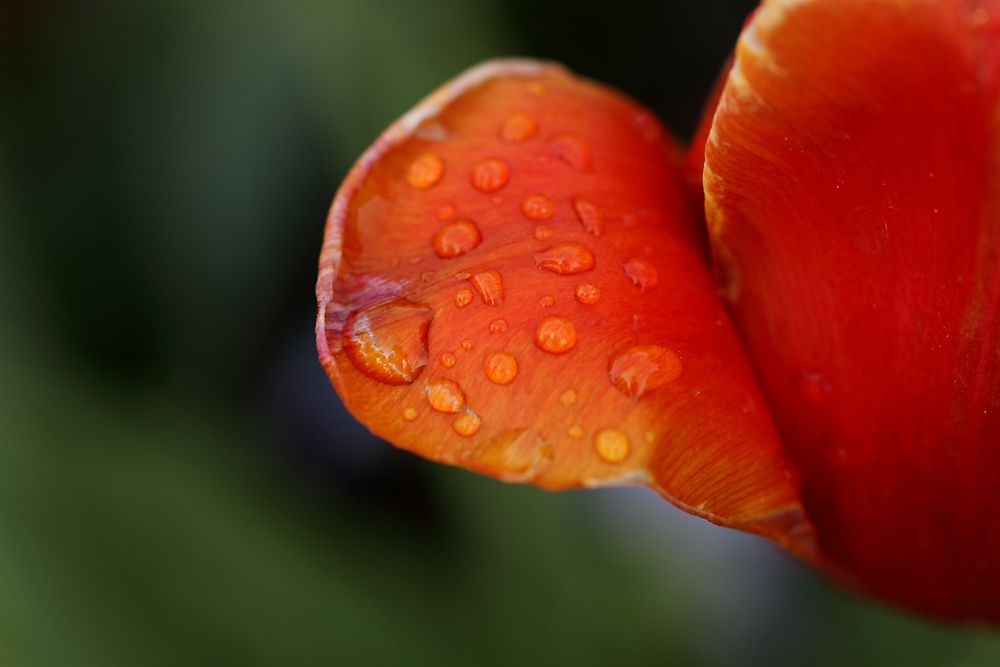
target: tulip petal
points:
(853, 198)
(511, 282)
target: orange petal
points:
(587, 350)
(853, 197)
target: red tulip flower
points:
(792, 328)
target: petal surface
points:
(511, 281)
(853, 198)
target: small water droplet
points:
(641, 273)
(427, 276)
(573, 151)
(543, 232)
(425, 171)
(467, 423)
(568, 397)
(498, 326)
(457, 238)
(637, 321)
(445, 212)
(489, 284)
(556, 335)
(501, 368)
(448, 359)
(546, 301)
(589, 216)
(588, 293)
(536, 88)
(518, 127)
(409, 414)
(643, 368)
(650, 437)
(611, 444)
(445, 396)
(388, 342)
(467, 344)
(575, 431)
(463, 297)
(565, 259)
(815, 388)
(490, 175)
(538, 207)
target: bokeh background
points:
(178, 481)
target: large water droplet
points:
(490, 175)
(489, 284)
(518, 127)
(573, 151)
(565, 259)
(425, 171)
(445, 396)
(538, 207)
(588, 293)
(641, 273)
(463, 297)
(611, 444)
(467, 423)
(388, 341)
(589, 216)
(644, 368)
(456, 239)
(556, 335)
(501, 368)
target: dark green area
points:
(178, 483)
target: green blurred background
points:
(178, 481)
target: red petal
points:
(853, 186)
(511, 282)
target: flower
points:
(515, 279)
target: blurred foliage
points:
(178, 482)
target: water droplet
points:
(588, 293)
(501, 368)
(589, 216)
(463, 297)
(573, 151)
(518, 127)
(445, 212)
(650, 437)
(456, 239)
(546, 301)
(556, 335)
(643, 368)
(538, 207)
(409, 414)
(612, 445)
(575, 431)
(641, 273)
(543, 232)
(489, 284)
(568, 397)
(490, 175)
(565, 259)
(425, 171)
(467, 423)
(637, 321)
(815, 388)
(467, 344)
(445, 396)
(536, 88)
(388, 341)
(448, 359)
(498, 326)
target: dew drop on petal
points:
(456, 239)
(538, 207)
(573, 151)
(425, 171)
(589, 216)
(489, 284)
(518, 127)
(543, 232)
(568, 397)
(546, 301)
(467, 423)
(612, 445)
(463, 297)
(445, 212)
(575, 431)
(467, 344)
(447, 359)
(445, 396)
(556, 335)
(490, 175)
(565, 259)
(588, 293)
(409, 414)
(498, 326)
(501, 368)
(388, 341)
(536, 88)
(643, 368)
(641, 273)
